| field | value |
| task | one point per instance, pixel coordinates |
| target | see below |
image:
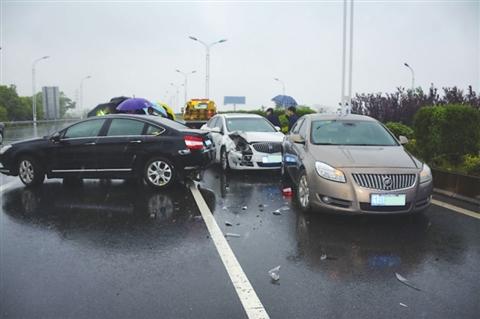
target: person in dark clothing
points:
(272, 117)
(292, 116)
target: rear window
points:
(125, 127)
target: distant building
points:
(51, 102)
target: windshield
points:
(344, 132)
(246, 124)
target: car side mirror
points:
(403, 140)
(278, 128)
(296, 138)
(55, 137)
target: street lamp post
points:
(185, 75)
(207, 64)
(34, 96)
(413, 75)
(81, 94)
(176, 91)
(282, 83)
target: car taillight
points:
(194, 142)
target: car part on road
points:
(30, 171)
(274, 273)
(406, 282)
(232, 235)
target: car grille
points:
(385, 181)
(268, 147)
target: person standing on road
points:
(272, 117)
(292, 116)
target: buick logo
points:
(387, 182)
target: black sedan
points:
(160, 151)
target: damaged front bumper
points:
(254, 160)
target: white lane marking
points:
(250, 301)
(456, 209)
(7, 185)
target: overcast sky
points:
(134, 48)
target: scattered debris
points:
(232, 235)
(198, 217)
(323, 257)
(274, 273)
(153, 215)
(285, 208)
(403, 305)
(405, 281)
(260, 205)
(287, 191)
(228, 223)
(244, 208)
(224, 207)
(276, 212)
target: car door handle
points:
(136, 142)
(90, 143)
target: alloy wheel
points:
(159, 173)
(26, 171)
(303, 192)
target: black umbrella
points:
(107, 108)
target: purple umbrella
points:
(134, 104)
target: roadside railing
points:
(19, 130)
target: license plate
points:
(272, 159)
(388, 199)
(208, 142)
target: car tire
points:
(224, 160)
(303, 193)
(30, 171)
(159, 173)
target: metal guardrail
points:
(19, 130)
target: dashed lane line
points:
(248, 297)
(456, 209)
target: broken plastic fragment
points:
(323, 257)
(405, 281)
(287, 191)
(224, 207)
(285, 208)
(232, 235)
(403, 305)
(274, 273)
(244, 208)
(228, 223)
(276, 212)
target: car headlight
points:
(328, 172)
(5, 148)
(425, 174)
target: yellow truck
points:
(198, 111)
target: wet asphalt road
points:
(119, 250)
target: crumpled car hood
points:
(251, 137)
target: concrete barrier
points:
(460, 184)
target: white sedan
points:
(245, 141)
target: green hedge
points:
(449, 132)
(398, 129)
